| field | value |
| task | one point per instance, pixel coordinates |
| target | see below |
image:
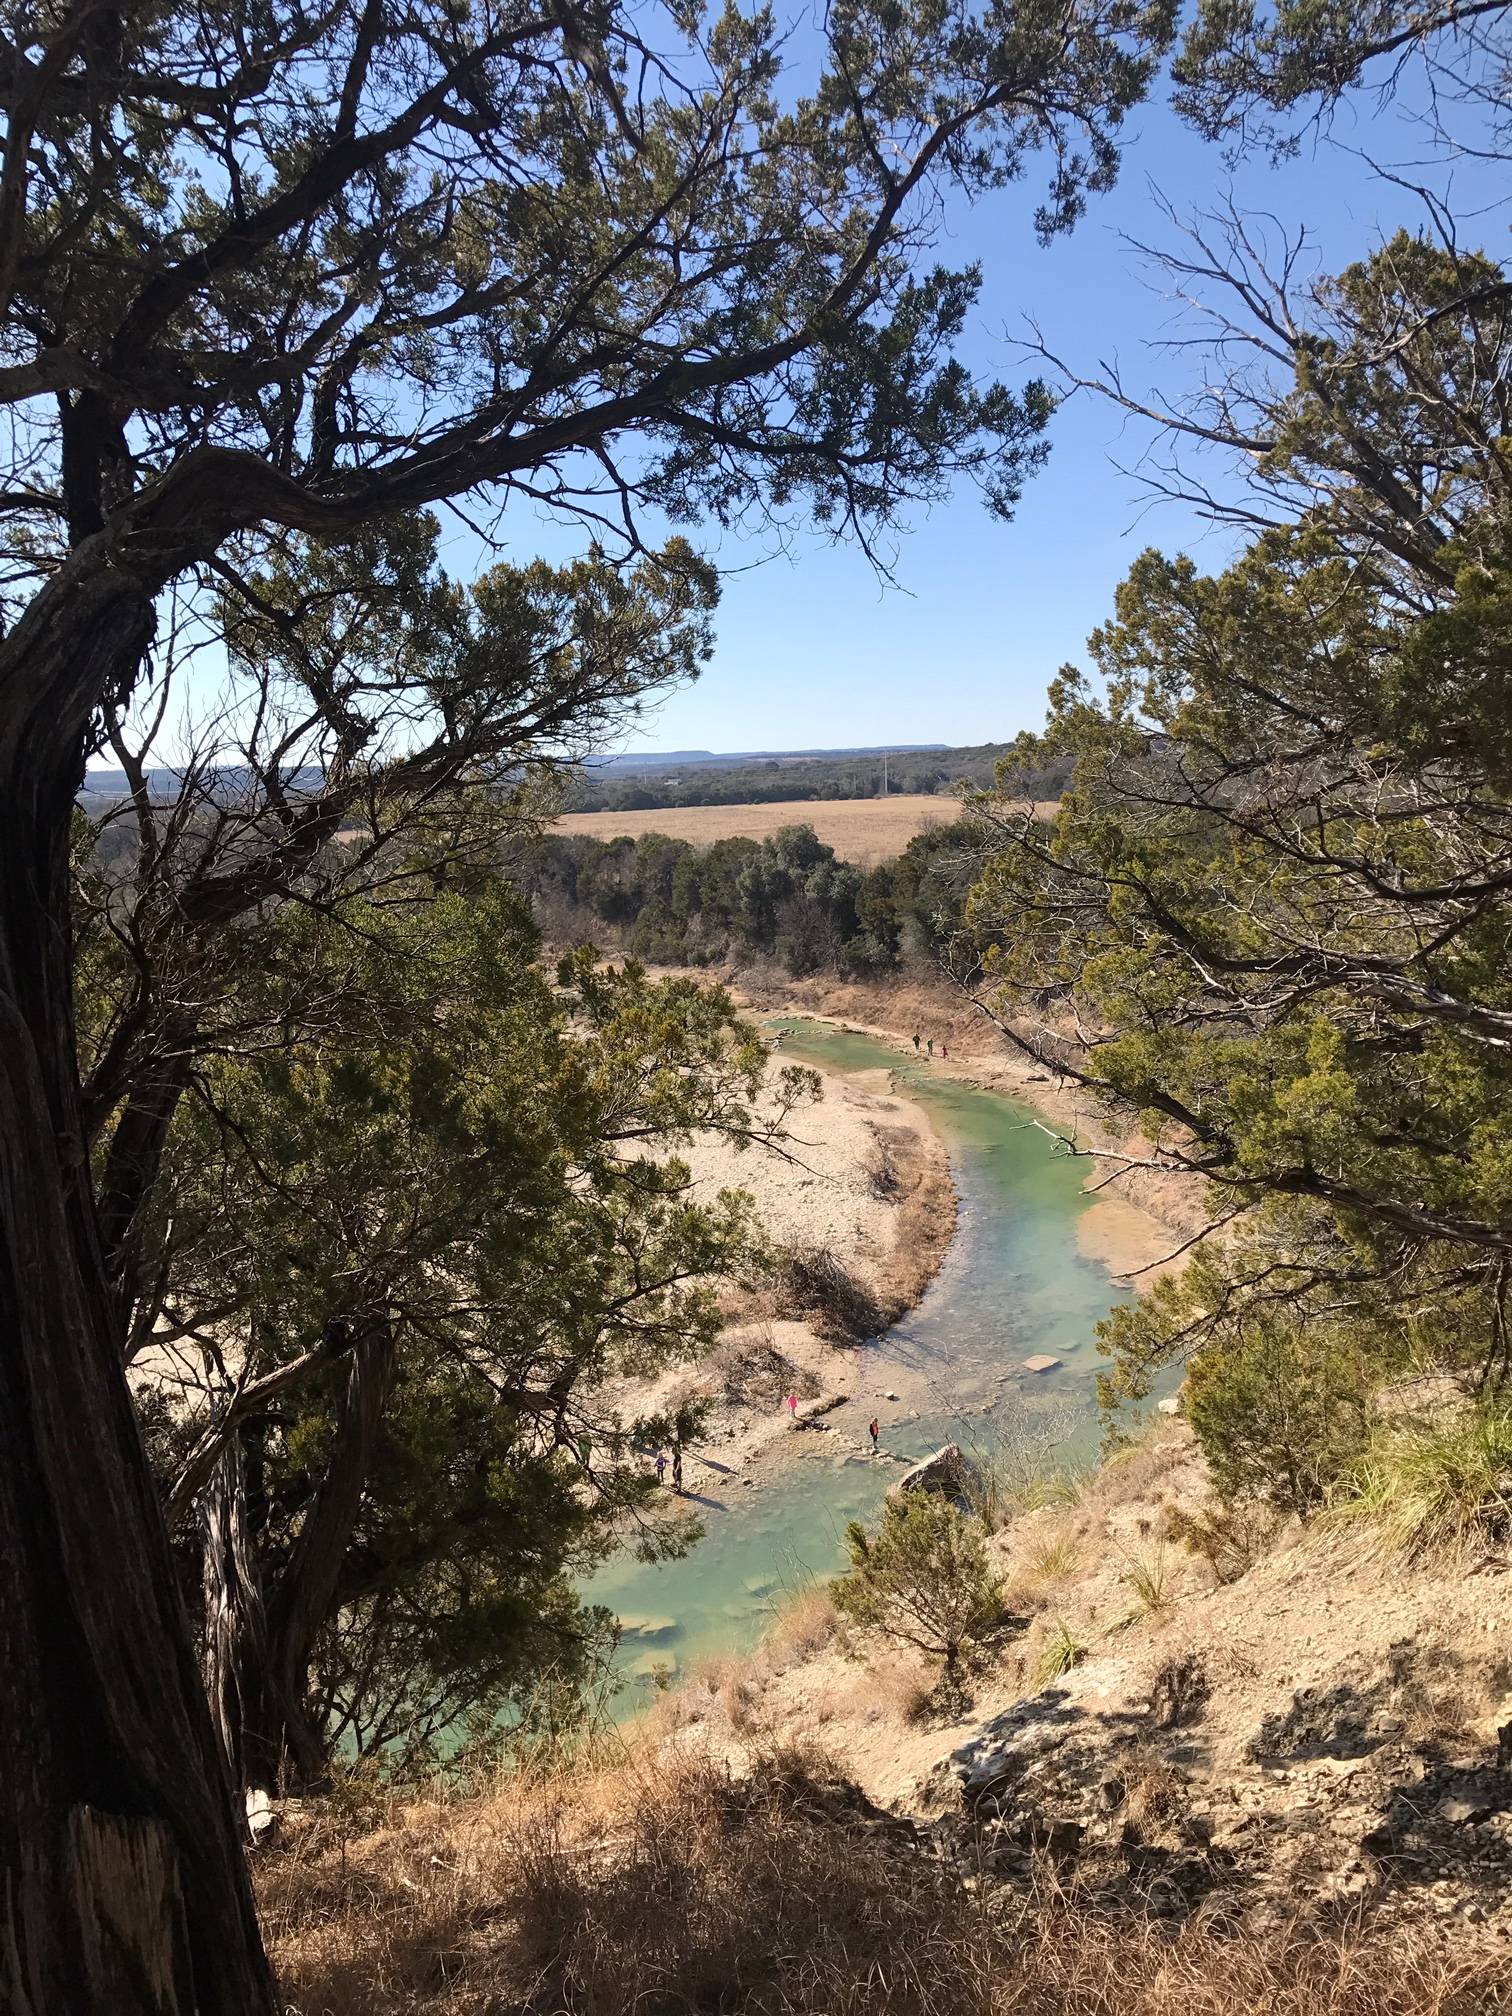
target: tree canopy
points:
(1243, 68)
(1274, 914)
(402, 1262)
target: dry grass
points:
(681, 1890)
(1051, 1559)
(863, 830)
(754, 1373)
(803, 1624)
(898, 1687)
(1147, 1577)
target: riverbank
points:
(1140, 1216)
(864, 1179)
(1195, 1716)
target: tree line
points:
(770, 781)
(789, 898)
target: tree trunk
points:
(257, 1649)
(124, 1884)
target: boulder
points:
(946, 1471)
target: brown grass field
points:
(864, 830)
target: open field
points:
(864, 830)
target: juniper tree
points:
(285, 275)
(1272, 916)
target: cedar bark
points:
(124, 1883)
(258, 1645)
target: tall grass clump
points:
(1440, 1485)
(1059, 1652)
(1026, 1472)
(1148, 1580)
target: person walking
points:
(585, 1447)
(661, 1468)
(916, 1042)
(931, 1046)
(945, 1050)
(677, 1470)
(793, 1405)
(873, 1430)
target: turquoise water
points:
(1013, 1283)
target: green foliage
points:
(923, 1577)
(1060, 1651)
(1279, 890)
(466, 1189)
(790, 897)
(1444, 1483)
(1242, 64)
(520, 220)
(1277, 1390)
(1229, 1537)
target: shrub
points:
(1229, 1538)
(1441, 1484)
(1179, 1691)
(882, 1172)
(923, 1577)
(1280, 1409)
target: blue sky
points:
(813, 651)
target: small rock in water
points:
(635, 1626)
(1041, 1362)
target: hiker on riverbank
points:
(873, 1430)
(661, 1468)
(677, 1470)
(931, 1046)
(792, 1405)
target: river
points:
(1014, 1283)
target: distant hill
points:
(106, 787)
(687, 759)
(667, 779)
(687, 778)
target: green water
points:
(1013, 1283)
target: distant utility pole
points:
(884, 773)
